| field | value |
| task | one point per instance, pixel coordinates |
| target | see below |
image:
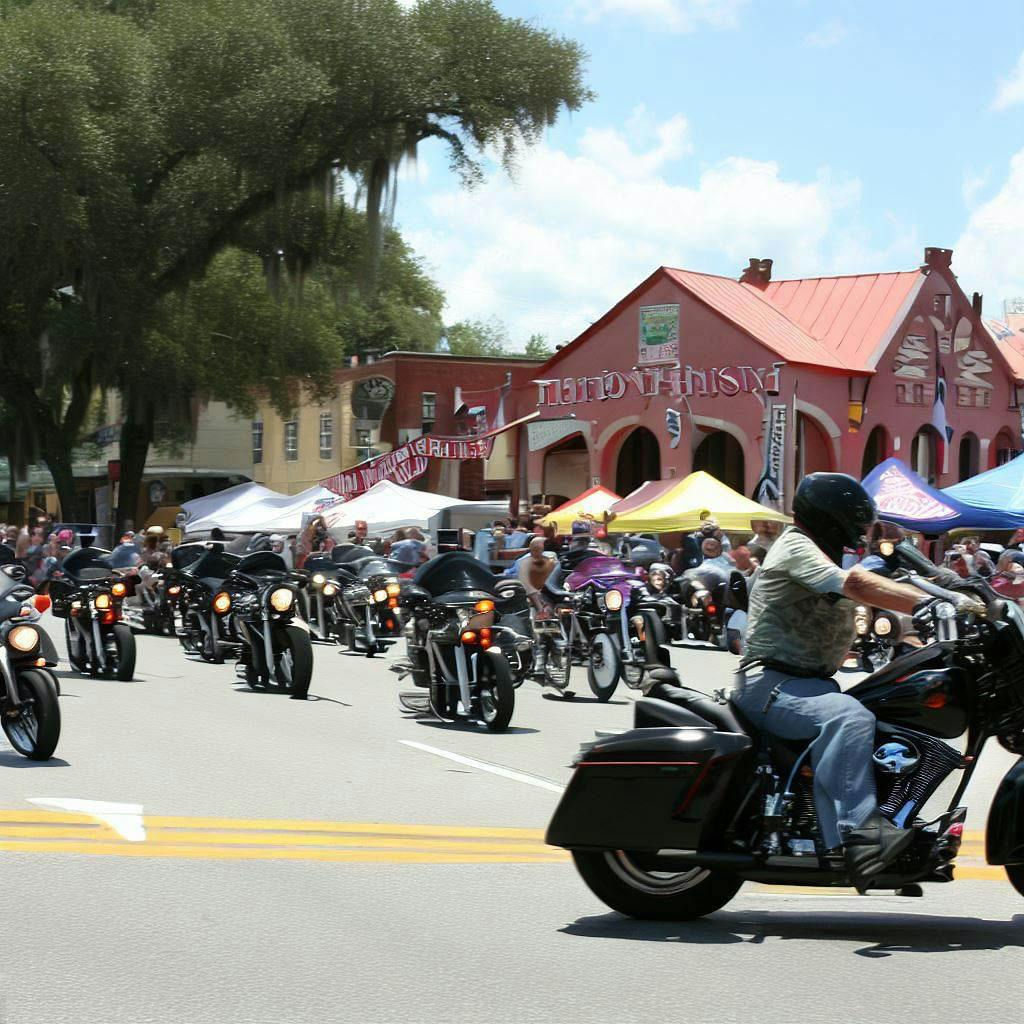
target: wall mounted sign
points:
(542, 434)
(769, 490)
(674, 427)
(371, 397)
(672, 381)
(659, 335)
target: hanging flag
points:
(939, 408)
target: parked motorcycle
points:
(29, 710)
(452, 644)
(668, 820)
(197, 583)
(88, 595)
(276, 651)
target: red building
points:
(692, 371)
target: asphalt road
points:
(254, 859)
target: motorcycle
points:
(711, 609)
(667, 821)
(453, 645)
(661, 586)
(518, 637)
(29, 710)
(369, 604)
(197, 584)
(621, 622)
(276, 649)
(319, 599)
(148, 607)
(88, 595)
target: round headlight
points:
(319, 578)
(613, 600)
(330, 590)
(394, 588)
(380, 595)
(174, 591)
(102, 601)
(119, 590)
(24, 638)
(883, 625)
(222, 603)
(281, 599)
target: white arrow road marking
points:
(124, 819)
(494, 769)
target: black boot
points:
(872, 847)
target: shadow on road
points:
(582, 700)
(12, 759)
(884, 933)
(310, 698)
(462, 726)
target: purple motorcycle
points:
(615, 624)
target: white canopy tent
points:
(225, 502)
(269, 513)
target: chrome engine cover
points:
(897, 757)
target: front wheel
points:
(76, 660)
(1015, 873)
(124, 644)
(617, 879)
(604, 666)
(294, 662)
(35, 730)
(497, 693)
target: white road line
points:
(494, 769)
(124, 819)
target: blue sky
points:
(833, 137)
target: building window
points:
(362, 439)
(291, 441)
(257, 442)
(326, 435)
(429, 415)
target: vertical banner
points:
(659, 335)
(770, 489)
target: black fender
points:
(499, 662)
(254, 641)
(46, 648)
(1004, 837)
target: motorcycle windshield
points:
(373, 567)
(601, 570)
(184, 555)
(88, 564)
(260, 562)
(454, 571)
(215, 564)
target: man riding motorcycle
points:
(801, 627)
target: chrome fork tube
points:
(268, 647)
(10, 683)
(463, 670)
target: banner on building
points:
(659, 334)
(769, 490)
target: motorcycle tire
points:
(558, 666)
(614, 877)
(298, 646)
(497, 694)
(1015, 873)
(77, 663)
(124, 641)
(604, 666)
(252, 679)
(36, 733)
(212, 651)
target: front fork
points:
(97, 638)
(10, 681)
(268, 647)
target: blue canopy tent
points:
(999, 490)
(902, 497)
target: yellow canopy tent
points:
(693, 499)
(591, 504)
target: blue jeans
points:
(843, 734)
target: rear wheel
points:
(124, 644)
(558, 666)
(604, 666)
(1015, 873)
(497, 693)
(35, 731)
(294, 662)
(616, 878)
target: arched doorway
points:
(924, 454)
(813, 449)
(567, 467)
(639, 461)
(1004, 448)
(876, 450)
(968, 458)
(720, 455)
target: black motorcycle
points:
(368, 602)
(320, 604)
(148, 608)
(197, 583)
(668, 820)
(708, 607)
(881, 636)
(452, 643)
(29, 709)
(88, 595)
(661, 588)
(276, 648)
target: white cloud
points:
(987, 256)
(1011, 88)
(829, 34)
(555, 248)
(973, 183)
(673, 15)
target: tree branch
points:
(40, 147)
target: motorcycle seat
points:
(722, 716)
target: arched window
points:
(1004, 448)
(876, 450)
(924, 454)
(721, 455)
(968, 460)
(639, 461)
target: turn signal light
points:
(936, 700)
(119, 590)
(174, 591)
(394, 589)
(468, 636)
(484, 606)
(485, 638)
(108, 617)
(392, 602)
(40, 662)
(42, 602)
(712, 609)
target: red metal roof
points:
(852, 317)
(1010, 344)
(748, 308)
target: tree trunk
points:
(58, 461)
(136, 437)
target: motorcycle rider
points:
(801, 627)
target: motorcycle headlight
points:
(330, 590)
(222, 603)
(281, 599)
(394, 588)
(380, 595)
(883, 626)
(318, 579)
(174, 591)
(23, 638)
(102, 601)
(613, 600)
(119, 590)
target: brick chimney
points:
(938, 259)
(977, 303)
(758, 273)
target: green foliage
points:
(538, 347)
(477, 338)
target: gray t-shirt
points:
(797, 613)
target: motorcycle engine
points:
(909, 767)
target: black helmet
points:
(835, 510)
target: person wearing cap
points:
(280, 547)
(709, 528)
